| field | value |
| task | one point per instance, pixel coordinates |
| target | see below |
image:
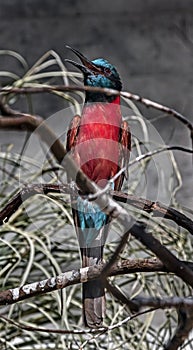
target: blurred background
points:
(149, 41)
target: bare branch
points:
(184, 307)
(164, 303)
(121, 297)
(115, 255)
(156, 208)
(23, 121)
(148, 103)
(12, 296)
(27, 192)
(100, 330)
(172, 263)
(185, 325)
(160, 150)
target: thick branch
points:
(22, 121)
(170, 261)
(185, 326)
(72, 277)
(156, 208)
(184, 307)
(27, 192)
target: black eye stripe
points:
(109, 74)
(107, 70)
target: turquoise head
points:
(98, 73)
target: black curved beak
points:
(87, 66)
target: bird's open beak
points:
(87, 66)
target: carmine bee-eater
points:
(99, 142)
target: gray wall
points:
(143, 38)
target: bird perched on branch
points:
(99, 142)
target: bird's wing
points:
(73, 132)
(70, 144)
(124, 153)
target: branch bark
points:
(185, 325)
(14, 295)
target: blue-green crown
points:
(109, 77)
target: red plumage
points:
(100, 141)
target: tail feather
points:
(93, 291)
(93, 304)
(92, 227)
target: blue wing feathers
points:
(91, 219)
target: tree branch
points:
(155, 208)
(185, 325)
(12, 296)
(170, 261)
(100, 330)
(23, 121)
(137, 98)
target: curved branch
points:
(23, 121)
(100, 330)
(156, 208)
(185, 325)
(160, 150)
(137, 98)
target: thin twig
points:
(159, 150)
(100, 330)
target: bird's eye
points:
(107, 71)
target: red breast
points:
(97, 146)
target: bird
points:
(99, 141)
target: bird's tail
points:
(93, 291)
